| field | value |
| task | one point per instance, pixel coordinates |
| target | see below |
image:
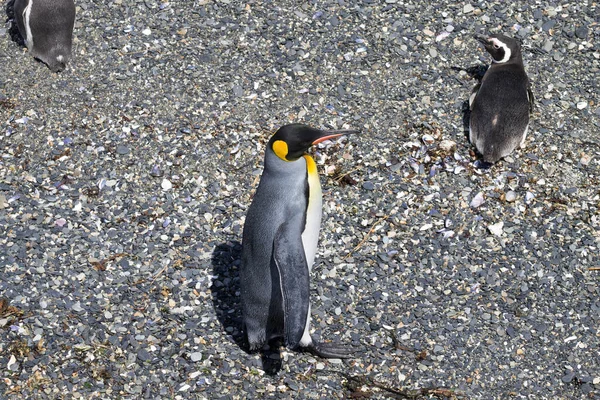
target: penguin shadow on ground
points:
(225, 291)
(13, 30)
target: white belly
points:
(310, 235)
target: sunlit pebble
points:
(510, 196)
(426, 227)
(442, 36)
(477, 200)
(166, 184)
(585, 159)
(529, 196)
(101, 183)
(448, 233)
(147, 31)
(60, 222)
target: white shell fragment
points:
(496, 229)
(477, 200)
(166, 184)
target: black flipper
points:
(293, 274)
(330, 350)
(531, 99)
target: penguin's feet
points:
(480, 164)
(329, 350)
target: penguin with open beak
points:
(501, 104)
(280, 242)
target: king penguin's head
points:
(292, 141)
(501, 48)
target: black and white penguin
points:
(501, 104)
(280, 242)
(47, 28)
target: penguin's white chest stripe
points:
(507, 51)
(26, 17)
(310, 235)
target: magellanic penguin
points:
(280, 242)
(501, 104)
(47, 27)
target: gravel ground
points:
(124, 183)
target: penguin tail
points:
(291, 264)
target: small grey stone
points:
(581, 32)
(568, 377)
(548, 25)
(144, 355)
(122, 149)
(196, 356)
(368, 185)
(238, 91)
(547, 45)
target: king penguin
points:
(47, 27)
(501, 104)
(280, 242)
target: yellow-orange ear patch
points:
(280, 148)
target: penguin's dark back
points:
(502, 90)
(501, 106)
